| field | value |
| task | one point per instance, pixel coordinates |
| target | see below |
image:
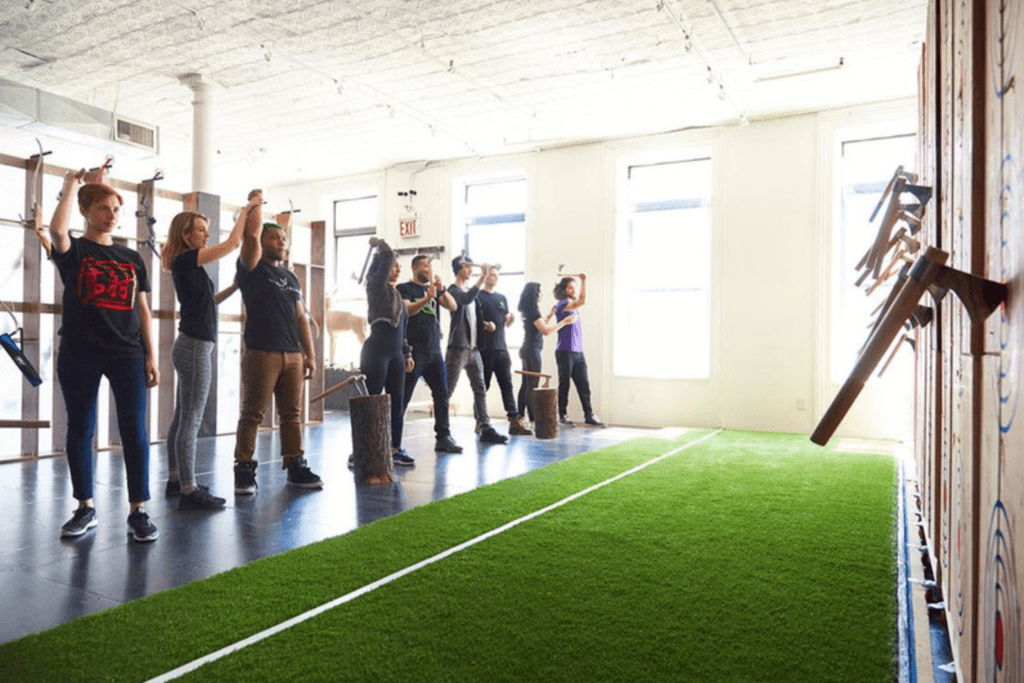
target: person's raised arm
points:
(61, 221)
(234, 240)
(446, 300)
(581, 299)
(252, 250)
(378, 280)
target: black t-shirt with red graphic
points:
(101, 298)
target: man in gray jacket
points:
(462, 345)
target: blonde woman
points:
(184, 255)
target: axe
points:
(358, 380)
(981, 297)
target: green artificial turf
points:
(748, 557)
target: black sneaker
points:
(447, 445)
(594, 422)
(200, 499)
(173, 488)
(245, 477)
(401, 457)
(140, 528)
(352, 461)
(565, 422)
(83, 520)
(300, 475)
(489, 435)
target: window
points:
(355, 220)
(663, 271)
(491, 228)
(865, 167)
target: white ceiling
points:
(310, 89)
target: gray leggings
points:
(193, 360)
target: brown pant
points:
(265, 373)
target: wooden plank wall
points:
(970, 437)
(164, 311)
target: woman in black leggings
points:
(386, 357)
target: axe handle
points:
(540, 375)
(336, 388)
(25, 424)
(895, 348)
(885, 192)
(884, 230)
(366, 264)
(923, 273)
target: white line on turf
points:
(348, 597)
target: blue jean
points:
(430, 366)
(79, 373)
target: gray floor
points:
(48, 580)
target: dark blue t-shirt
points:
(270, 294)
(423, 330)
(532, 337)
(195, 294)
(493, 308)
(102, 285)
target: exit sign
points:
(408, 227)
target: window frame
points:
(624, 214)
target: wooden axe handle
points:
(923, 274)
(530, 373)
(26, 424)
(337, 387)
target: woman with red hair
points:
(105, 332)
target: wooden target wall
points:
(970, 448)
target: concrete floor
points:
(48, 580)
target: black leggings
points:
(572, 365)
(384, 366)
(531, 363)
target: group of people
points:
(405, 339)
(106, 331)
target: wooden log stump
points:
(545, 412)
(371, 439)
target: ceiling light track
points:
(692, 45)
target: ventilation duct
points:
(43, 113)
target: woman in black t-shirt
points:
(105, 331)
(534, 331)
(184, 255)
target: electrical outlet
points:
(801, 404)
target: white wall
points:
(772, 211)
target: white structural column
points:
(202, 132)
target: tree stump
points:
(371, 439)
(545, 412)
